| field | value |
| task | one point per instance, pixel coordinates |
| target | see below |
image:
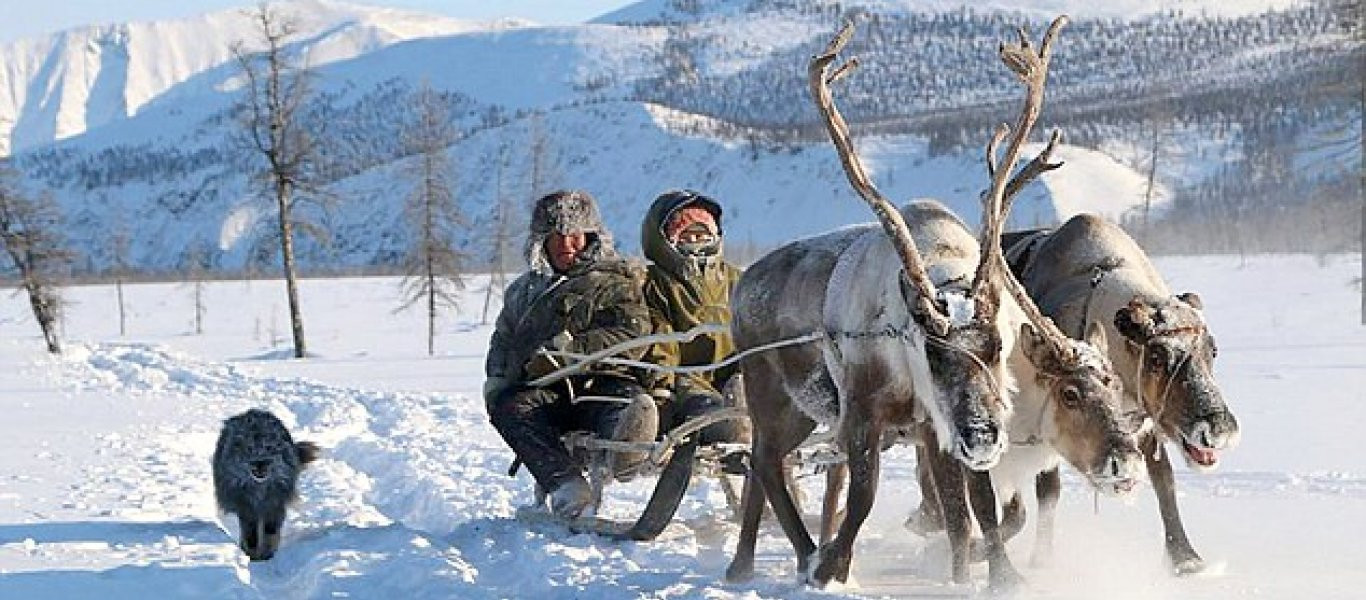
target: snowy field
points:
(105, 484)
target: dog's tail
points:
(308, 452)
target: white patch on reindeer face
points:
(960, 306)
(926, 393)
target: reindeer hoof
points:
(739, 572)
(827, 564)
(1004, 580)
(1192, 565)
(923, 523)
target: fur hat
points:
(566, 212)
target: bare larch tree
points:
(277, 88)
(198, 260)
(544, 173)
(434, 266)
(118, 258)
(500, 236)
(30, 232)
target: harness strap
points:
(1020, 255)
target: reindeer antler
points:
(914, 266)
(1032, 68)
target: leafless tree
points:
(277, 88)
(434, 266)
(1354, 12)
(198, 260)
(544, 174)
(118, 256)
(500, 236)
(30, 231)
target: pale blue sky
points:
(28, 18)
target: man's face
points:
(696, 234)
(564, 249)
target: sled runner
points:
(674, 458)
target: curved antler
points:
(926, 310)
(1032, 68)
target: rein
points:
(604, 356)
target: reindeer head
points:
(1174, 353)
(1082, 417)
(963, 353)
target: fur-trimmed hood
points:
(566, 212)
(653, 242)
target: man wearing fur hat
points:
(578, 296)
(687, 284)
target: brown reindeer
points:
(910, 340)
(1090, 273)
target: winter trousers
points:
(532, 420)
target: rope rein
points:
(604, 356)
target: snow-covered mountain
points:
(633, 104)
(58, 86)
(674, 11)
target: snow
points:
(105, 488)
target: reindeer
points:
(920, 350)
(1089, 273)
(1068, 401)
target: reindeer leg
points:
(831, 515)
(751, 511)
(768, 466)
(947, 474)
(1047, 488)
(1184, 559)
(927, 518)
(863, 440)
(1013, 517)
(1003, 576)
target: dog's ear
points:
(307, 451)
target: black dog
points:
(255, 475)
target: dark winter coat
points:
(597, 301)
(682, 293)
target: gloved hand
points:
(661, 396)
(540, 365)
(560, 341)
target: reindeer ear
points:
(1035, 349)
(1192, 299)
(1095, 335)
(1135, 321)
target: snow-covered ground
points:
(105, 486)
